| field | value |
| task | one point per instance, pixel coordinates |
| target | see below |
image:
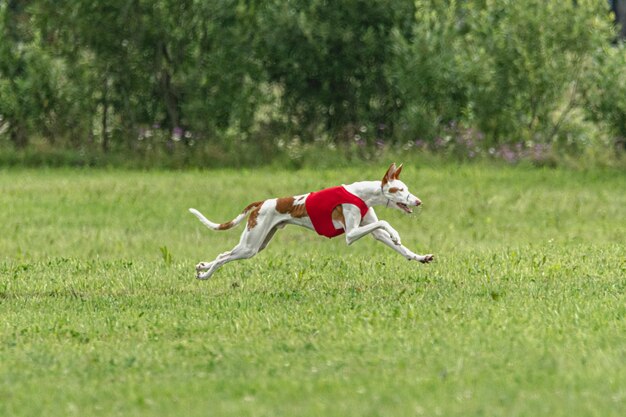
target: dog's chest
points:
(320, 206)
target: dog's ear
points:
(396, 174)
(389, 175)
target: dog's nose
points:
(417, 202)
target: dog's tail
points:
(225, 226)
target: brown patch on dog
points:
(251, 205)
(285, 206)
(394, 190)
(299, 211)
(256, 208)
(337, 215)
(397, 172)
(225, 226)
(389, 174)
(228, 225)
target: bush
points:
(271, 78)
(430, 71)
(329, 62)
(605, 92)
(503, 67)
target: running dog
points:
(330, 212)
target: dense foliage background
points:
(243, 81)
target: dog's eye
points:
(394, 190)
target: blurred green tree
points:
(84, 72)
(330, 60)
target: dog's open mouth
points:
(405, 207)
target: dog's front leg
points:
(384, 237)
(381, 236)
(355, 231)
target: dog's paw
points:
(427, 259)
(203, 275)
(203, 266)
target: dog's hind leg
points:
(238, 252)
(252, 242)
(270, 235)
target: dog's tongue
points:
(405, 207)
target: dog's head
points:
(396, 192)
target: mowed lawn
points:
(522, 314)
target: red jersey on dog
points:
(320, 205)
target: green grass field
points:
(522, 314)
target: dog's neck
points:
(368, 191)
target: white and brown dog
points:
(330, 212)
